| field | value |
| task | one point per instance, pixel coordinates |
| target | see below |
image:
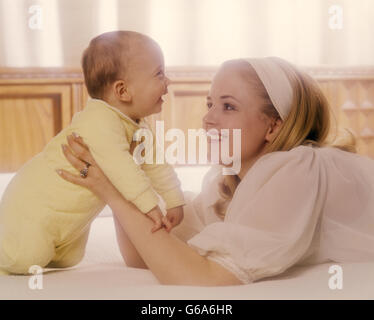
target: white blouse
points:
(304, 206)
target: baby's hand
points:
(157, 217)
(175, 216)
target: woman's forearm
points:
(171, 260)
(129, 253)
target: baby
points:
(45, 220)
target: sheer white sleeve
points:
(272, 217)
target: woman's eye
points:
(160, 73)
(209, 105)
(228, 106)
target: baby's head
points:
(126, 69)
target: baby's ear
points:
(122, 91)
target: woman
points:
(296, 200)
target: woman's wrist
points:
(109, 193)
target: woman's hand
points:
(79, 155)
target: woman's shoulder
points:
(279, 179)
(298, 159)
(306, 153)
(332, 156)
(300, 156)
(309, 161)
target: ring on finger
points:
(87, 164)
(84, 172)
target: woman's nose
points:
(210, 117)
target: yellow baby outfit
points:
(45, 220)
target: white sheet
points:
(4, 180)
(103, 275)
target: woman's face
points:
(233, 104)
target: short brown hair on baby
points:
(107, 58)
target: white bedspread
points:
(103, 275)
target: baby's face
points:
(147, 80)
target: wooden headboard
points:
(36, 103)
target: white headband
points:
(275, 81)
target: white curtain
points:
(192, 32)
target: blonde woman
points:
(297, 199)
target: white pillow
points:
(4, 180)
(106, 212)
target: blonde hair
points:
(308, 123)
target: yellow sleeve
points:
(105, 134)
(165, 181)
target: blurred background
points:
(191, 32)
(41, 42)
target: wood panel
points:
(26, 125)
(35, 104)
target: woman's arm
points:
(129, 253)
(171, 260)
